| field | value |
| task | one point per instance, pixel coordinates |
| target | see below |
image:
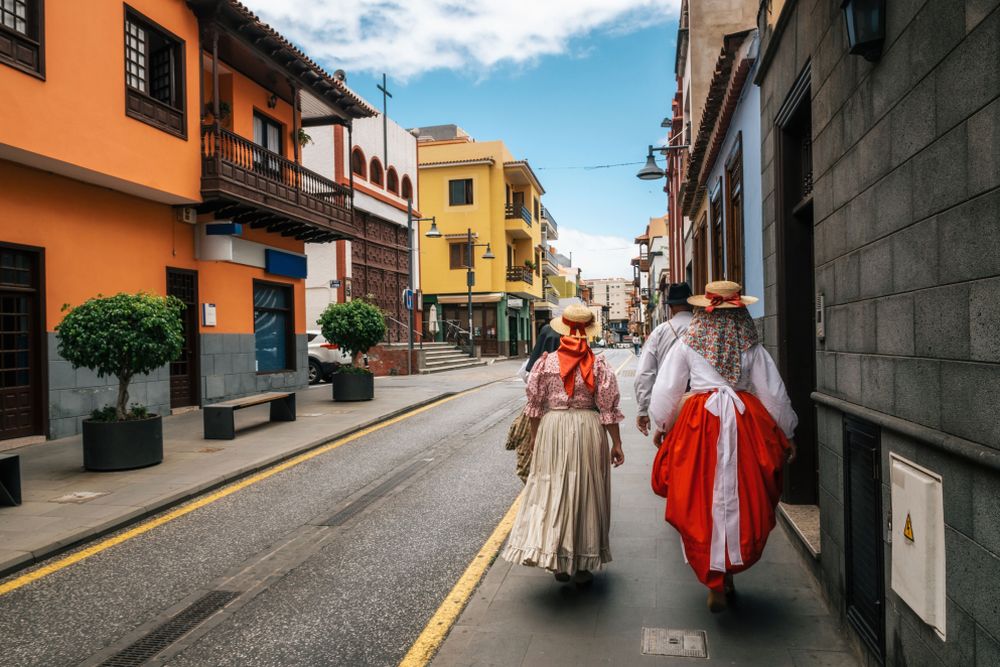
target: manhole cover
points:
(683, 643)
(79, 497)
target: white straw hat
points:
(722, 294)
(576, 314)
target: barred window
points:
(153, 61)
(135, 55)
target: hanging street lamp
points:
(651, 171)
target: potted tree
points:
(355, 326)
(122, 336)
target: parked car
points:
(324, 358)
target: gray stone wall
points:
(906, 203)
(228, 368)
(75, 393)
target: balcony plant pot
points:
(122, 445)
(348, 386)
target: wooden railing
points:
(520, 273)
(512, 212)
(225, 146)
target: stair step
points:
(445, 362)
(463, 364)
(438, 356)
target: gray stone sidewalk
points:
(53, 470)
(522, 616)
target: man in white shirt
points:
(657, 345)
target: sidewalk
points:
(521, 616)
(50, 519)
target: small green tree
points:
(123, 335)
(356, 326)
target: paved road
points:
(340, 560)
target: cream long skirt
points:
(565, 514)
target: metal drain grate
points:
(355, 508)
(683, 643)
(630, 373)
(166, 634)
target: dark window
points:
(536, 208)
(718, 238)
(460, 192)
(21, 35)
(392, 181)
(154, 74)
(700, 257)
(407, 188)
(358, 162)
(457, 256)
(375, 172)
(273, 327)
(734, 225)
(267, 134)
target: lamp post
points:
(409, 236)
(470, 276)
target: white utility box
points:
(918, 549)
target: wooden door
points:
(185, 378)
(21, 368)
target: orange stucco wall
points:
(77, 114)
(98, 241)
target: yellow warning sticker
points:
(908, 528)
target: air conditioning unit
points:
(187, 214)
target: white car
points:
(324, 358)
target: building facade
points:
(178, 173)
(881, 247)
(616, 294)
(478, 188)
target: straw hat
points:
(576, 313)
(722, 294)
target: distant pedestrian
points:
(720, 466)
(636, 343)
(659, 343)
(563, 522)
(519, 435)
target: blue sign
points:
(223, 229)
(408, 298)
(282, 263)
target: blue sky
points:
(588, 87)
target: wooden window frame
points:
(361, 168)
(392, 180)
(456, 251)
(717, 235)
(469, 192)
(700, 268)
(406, 188)
(735, 201)
(376, 173)
(11, 41)
(142, 106)
(290, 342)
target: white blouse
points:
(758, 375)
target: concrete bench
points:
(10, 479)
(220, 418)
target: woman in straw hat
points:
(563, 521)
(719, 467)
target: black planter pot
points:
(122, 445)
(353, 386)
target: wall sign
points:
(208, 314)
(281, 263)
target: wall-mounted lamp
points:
(865, 27)
(272, 101)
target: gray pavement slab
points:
(41, 527)
(521, 616)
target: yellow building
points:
(479, 186)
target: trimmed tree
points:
(122, 336)
(356, 326)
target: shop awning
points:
(476, 298)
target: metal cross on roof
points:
(385, 123)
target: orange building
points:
(154, 145)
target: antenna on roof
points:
(340, 74)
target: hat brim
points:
(593, 329)
(702, 302)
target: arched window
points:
(375, 172)
(358, 162)
(392, 181)
(407, 191)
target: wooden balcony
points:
(520, 274)
(252, 185)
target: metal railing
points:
(398, 334)
(549, 219)
(511, 213)
(453, 333)
(520, 273)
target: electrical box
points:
(918, 549)
(820, 317)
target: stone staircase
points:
(438, 357)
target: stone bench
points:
(220, 418)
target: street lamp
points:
(409, 236)
(865, 27)
(650, 171)
(470, 276)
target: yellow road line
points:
(437, 629)
(440, 624)
(183, 510)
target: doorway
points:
(22, 367)
(185, 376)
(512, 333)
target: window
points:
(358, 163)
(375, 172)
(392, 181)
(734, 204)
(700, 260)
(21, 35)
(457, 256)
(267, 134)
(154, 75)
(406, 191)
(460, 192)
(718, 237)
(536, 208)
(273, 327)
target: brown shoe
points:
(716, 601)
(729, 586)
(562, 577)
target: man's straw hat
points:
(576, 314)
(721, 294)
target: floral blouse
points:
(546, 391)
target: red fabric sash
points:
(575, 353)
(718, 300)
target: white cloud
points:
(409, 37)
(597, 255)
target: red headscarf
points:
(575, 353)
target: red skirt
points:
(684, 474)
